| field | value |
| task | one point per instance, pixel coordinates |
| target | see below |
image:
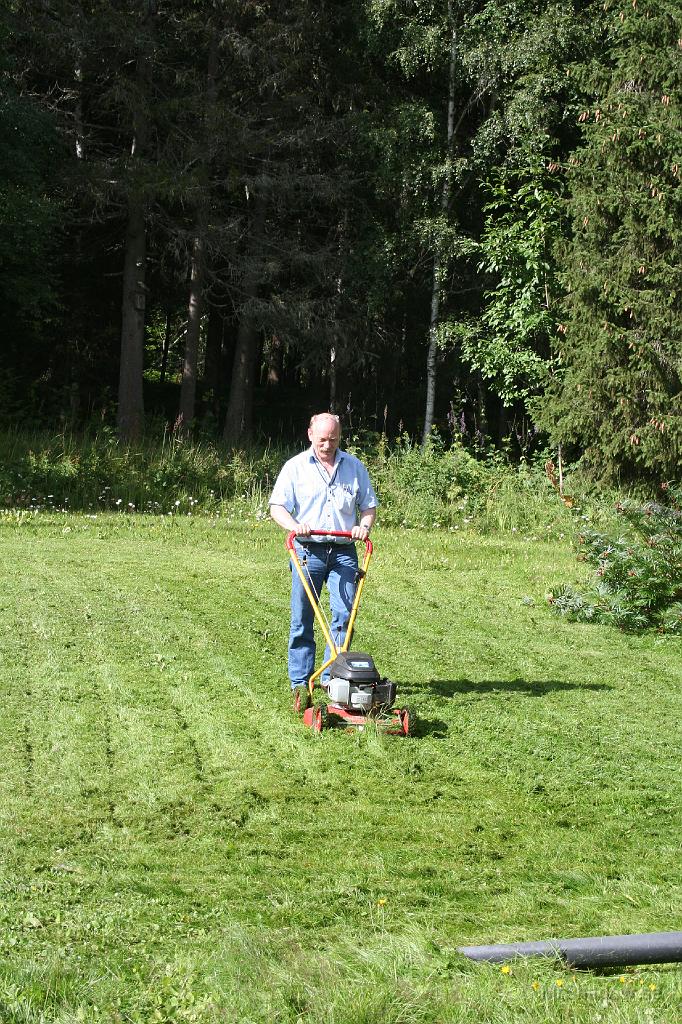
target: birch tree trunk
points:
(334, 350)
(434, 320)
(130, 421)
(275, 360)
(166, 347)
(332, 379)
(188, 387)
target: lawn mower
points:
(356, 692)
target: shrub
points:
(446, 486)
(424, 487)
(638, 574)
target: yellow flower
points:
(652, 987)
(535, 986)
(505, 969)
(622, 979)
(559, 982)
(381, 903)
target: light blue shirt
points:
(326, 502)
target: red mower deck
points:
(395, 722)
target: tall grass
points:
(442, 487)
(93, 471)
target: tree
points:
(32, 207)
(293, 186)
(618, 397)
(510, 341)
(130, 417)
(472, 97)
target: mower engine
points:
(354, 683)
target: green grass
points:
(177, 847)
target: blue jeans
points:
(337, 566)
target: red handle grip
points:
(326, 533)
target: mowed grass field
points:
(176, 846)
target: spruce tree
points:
(618, 396)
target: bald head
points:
(327, 418)
(324, 434)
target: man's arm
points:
(367, 517)
(285, 519)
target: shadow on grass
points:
(436, 728)
(534, 688)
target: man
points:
(323, 488)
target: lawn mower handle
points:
(328, 533)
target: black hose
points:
(599, 951)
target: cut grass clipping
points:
(176, 846)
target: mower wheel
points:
(406, 720)
(319, 718)
(301, 699)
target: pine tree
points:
(618, 398)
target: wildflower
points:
(652, 987)
(381, 902)
(119, 501)
(505, 969)
(535, 986)
(622, 979)
(559, 982)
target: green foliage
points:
(31, 211)
(363, 135)
(638, 574)
(619, 395)
(428, 487)
(509, 343)
(445, 486)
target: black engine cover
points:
(355, 667)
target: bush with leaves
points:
(639, 574)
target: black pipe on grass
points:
(599, 951)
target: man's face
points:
(324, 437)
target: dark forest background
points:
(461, 216)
